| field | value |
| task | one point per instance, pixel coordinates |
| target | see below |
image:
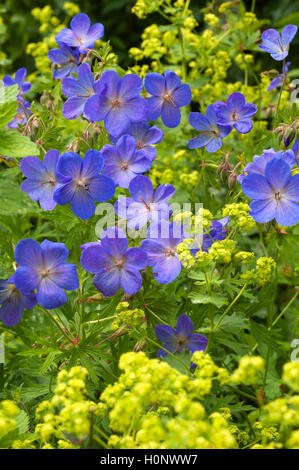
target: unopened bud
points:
(140, 345)
(289, 136)
(232, 179)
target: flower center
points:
(169, 99)
(235, 115)
(169, 252)
(277, 197)
(124, 165)
(82, 184)
(116, 104)
(181, 341)
(139, 145)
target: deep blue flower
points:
(21, 117)
(85, 184)
(181, 338)
(216, 232)
(43, 178)
(81, 35)
(43, 267)
(13, 302)
(160, 247)
(123, 162)
(79, 92)
(145, 204)
(67, 60)
(278, 81)
(235, 112)
(146, 137)
(114, 264)
(274, 194)
(277, 45)
(119, 103)
(211, 134)
(169, 95)
(19, 79)
(88, 244)
(260, 161)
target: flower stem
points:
(230, 306)
(57, 324)
(168, 352)
(280, 93)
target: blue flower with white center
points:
(260, 161)
(181, 338)
(145, 136)
(66, 59)
(278, 45)
(275, 194)
(211, 133)
(43, 178)
(123, 161)
(169, 95)
(235, 113)
(19, 80)
(79, 92)
(43, 267)
(13, 302)
(118, 103)
(85, 184)
(114, 264)
(81, 35)
(145, 204)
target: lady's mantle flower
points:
(119, 103)
(278, 81)
(81, 35)
(274, 195)
(168, 96)
(85, 184)
(146, 137)
(79, 92)
(22, 115)
(13, 302)
(43, 267)
(145, 205)
(67, 60)
(43, 178)
(211, 134)
(181, 338)
(114, 264)
(160, 248)
(235, 112)
(19, 80)
(123, 162)
(277, 45)
(260, 161)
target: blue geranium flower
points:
(274, 194)
(277, 45)
(81, 35)
(123, 162)
(79, 92)
(145, 204)
(19, 80)
(22, 115)
(67, 60)
(278, 81)
(114, 264)
(13, 302)
(160, 247)
(146, 137)
(85, 184)
(118, 103)
(181, 338)
(43, 178)
(235, 112)
(260, 161)
(216, 232)
(169, 95)
(211, 133)
(43, 267)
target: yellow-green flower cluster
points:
(222, 251)
(130, 317)
(68, 411)
(183, 250)
(239, 216)
(245, 257)
(264, 268)
(142, 8)
(8, 413)
(137, 404)
(290, 375)
(249, 370)
(282, 412)
(211, 19)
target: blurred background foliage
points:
(18, 27)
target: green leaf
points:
(22, 422)
(8, 103)
(13, 144)
(216, 299)
(264, 337)
(234, 323)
